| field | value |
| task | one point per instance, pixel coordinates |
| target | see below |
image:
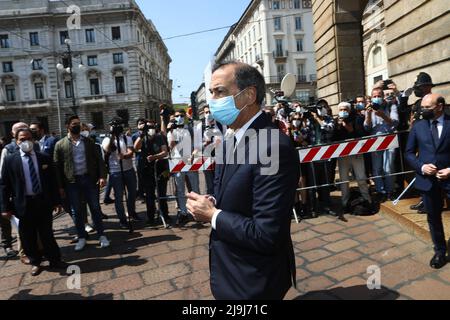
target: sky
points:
(190, 55)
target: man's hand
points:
(443, 174)
(429, 169)
(7, 215)
(101, 182)
(379, 85)
(151, 158)
(393, 87)
(200, 207)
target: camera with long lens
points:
(117, 126)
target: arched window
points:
(377, 57)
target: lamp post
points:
(69, 70)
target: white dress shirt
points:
(440, 128)
(26, 172)
(239, 134)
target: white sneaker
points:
(104, 242)
(80, 244)
(88, 228)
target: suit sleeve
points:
(58, 164)
(411, 151)
(101, 163)
(273, 198)
(5, 189)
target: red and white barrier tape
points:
(339, 150)
(200, 164)
(350, 148)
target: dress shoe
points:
(25, 260)
(438, 261)
(418, 206)
(36, 270)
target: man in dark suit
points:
(430, 137)
(251, 252)
(46, 142)
(28, 190)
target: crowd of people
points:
(70, 174)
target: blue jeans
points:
(85, 186)
(108, 190)
(117, 184)
(181, 190)
(383, 164)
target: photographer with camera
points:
(181, 144)
(152, 146)
(347, 130)
(382, 118)
(119, 151)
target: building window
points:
(68, 89)
(118, 58)
(37, 64)
(63, 35)
(39, 91)
(298, 23)
(299, 45)
(10, 93)
(277, 23)
(281, 71)
(279, 46)
(4, 41)
(276, 5)
(377, 57)
(34, 38)
(66, 62)
(296, 4)
(90, 35)
(116, 33)
(301, 72)
(307, 4)
(120, 85)
(302, 95)
(97, 120)
(8, 67)
(124, 115)
(92, 61)
(95, 87)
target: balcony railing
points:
(280, 54)
(301, 78)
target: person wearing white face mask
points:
(28, 190)
(346, 130)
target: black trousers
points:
(434, 204)
(5, 225)
(150, 186)
(318, 174)
(38, 220)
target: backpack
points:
(359, 206)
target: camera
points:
(387, 82)
(117, 126)
(376, 106)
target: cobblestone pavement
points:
(332, 260)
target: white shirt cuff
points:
(214, 218)
(423, 172)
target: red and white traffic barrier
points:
(200, 164)
(339, 150)
(351, 148)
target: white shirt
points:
(114, 160)
(239, 134)
(26, 172)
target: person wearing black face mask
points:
(428, 152)
(79, 169)
(45, 142)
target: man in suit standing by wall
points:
(46, 142)
(431, 138)
(28, 190)
(251, 252)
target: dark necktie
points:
(435, 133)
(33, 175)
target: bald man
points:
(428, 152)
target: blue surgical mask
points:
(377, 101)
(360, 106)
(224, 110)
(344, 114)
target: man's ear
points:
(252, 95)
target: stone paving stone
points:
(11, 281)
(427, 289)
(389, 255)
(148, 292)
(356, 289)
(372, 247)
(199, 263)
(314, 255)
(310, 244)
(369, 236)
(180, 255)
(191, 279)
(119, 285)
(166, 273)
(191, 242)
(328, 228)
(342, 245)
(351, 269)
(391, 230)
(444, 274)
(359, 230)
(314, 283)
(333, 261)
(301, 274)
(304, 235)
(401, 238)
(334, 237)
(401, 271)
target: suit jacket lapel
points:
(444, 133)
(18, 161)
